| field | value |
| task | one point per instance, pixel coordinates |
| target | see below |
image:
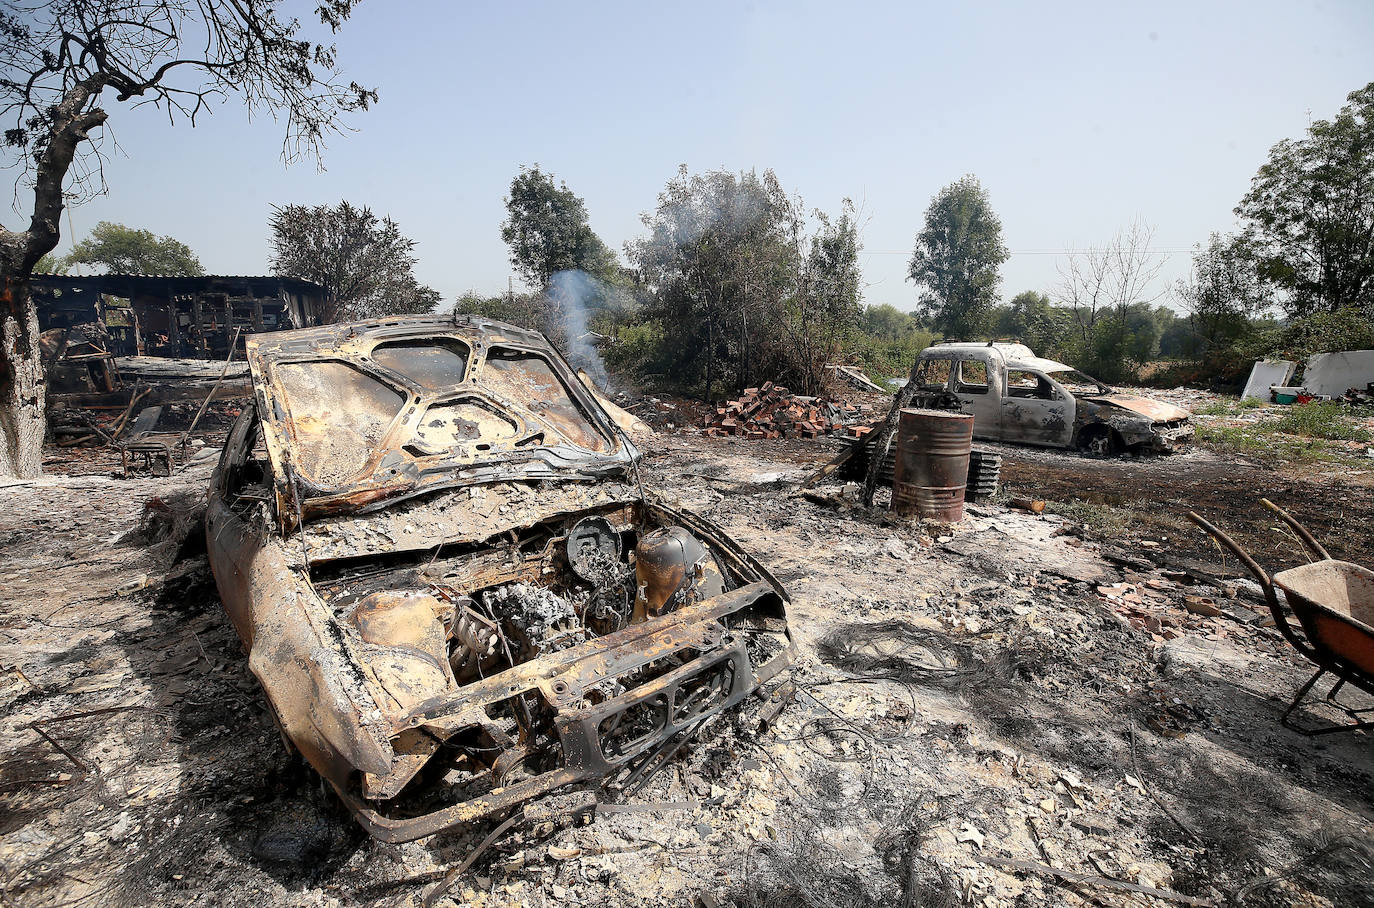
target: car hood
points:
(1153, 410)
(358, 416)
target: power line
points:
(1035, 251)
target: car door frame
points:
(1036, 420)
(985, 406)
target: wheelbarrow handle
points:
(1308, 539)
(1235, 550)
(1270, 597)
(1265, 583)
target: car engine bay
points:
(435, 627)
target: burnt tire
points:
(1100, 441)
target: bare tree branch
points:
(57, 58)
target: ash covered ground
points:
(1023, 688)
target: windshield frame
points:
(1057, 377)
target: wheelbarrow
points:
(1333, 602)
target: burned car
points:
(429, 535)
(1016, 396)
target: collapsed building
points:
(104, 332)
(173, 316)
(114, 343)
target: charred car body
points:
(1016, 396)
(428, 536)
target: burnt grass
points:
(1150, 498)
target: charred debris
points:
(425, 535)
(465, 609)
(132, 360)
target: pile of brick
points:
(771, 411)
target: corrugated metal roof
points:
(129, 285)
(125, 275)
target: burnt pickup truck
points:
(431, 539)
(1015, 396)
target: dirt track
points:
(1157, 492)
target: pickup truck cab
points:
(1016, 396)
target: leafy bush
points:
(527, 310)
(1324, 332)
(1193, 373)
(1321, 419)
(640, 349)
(887, 357)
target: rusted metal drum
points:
(932, 464)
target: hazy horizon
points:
(1076, 120)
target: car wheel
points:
(1100, 442)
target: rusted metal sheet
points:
(672, 566)
(627, 421)
(354, 415)
(421, 523)
(932, 464)
(425, 535)
(1155, 410)
(1107, 425)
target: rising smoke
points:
(576, 293)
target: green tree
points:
(1310, 210)
(721, 257)
(57, 59)
(1141, 329)
(1320, 332)
(957, 259)
(547, 231)
(823, 311)
(125, 250)
(52, 264)
(1038, 323)
(1223, 291)
(1179, 340)
(363, 262)
(886, 321)
(889, 342)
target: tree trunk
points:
(875, 462)
(21, 380)
(744, 344)
(710, 355)
(22, 391)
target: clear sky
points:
(1076, 117)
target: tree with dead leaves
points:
(1102, 285)
(822, 313)
(62, 60)
(720, 259)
